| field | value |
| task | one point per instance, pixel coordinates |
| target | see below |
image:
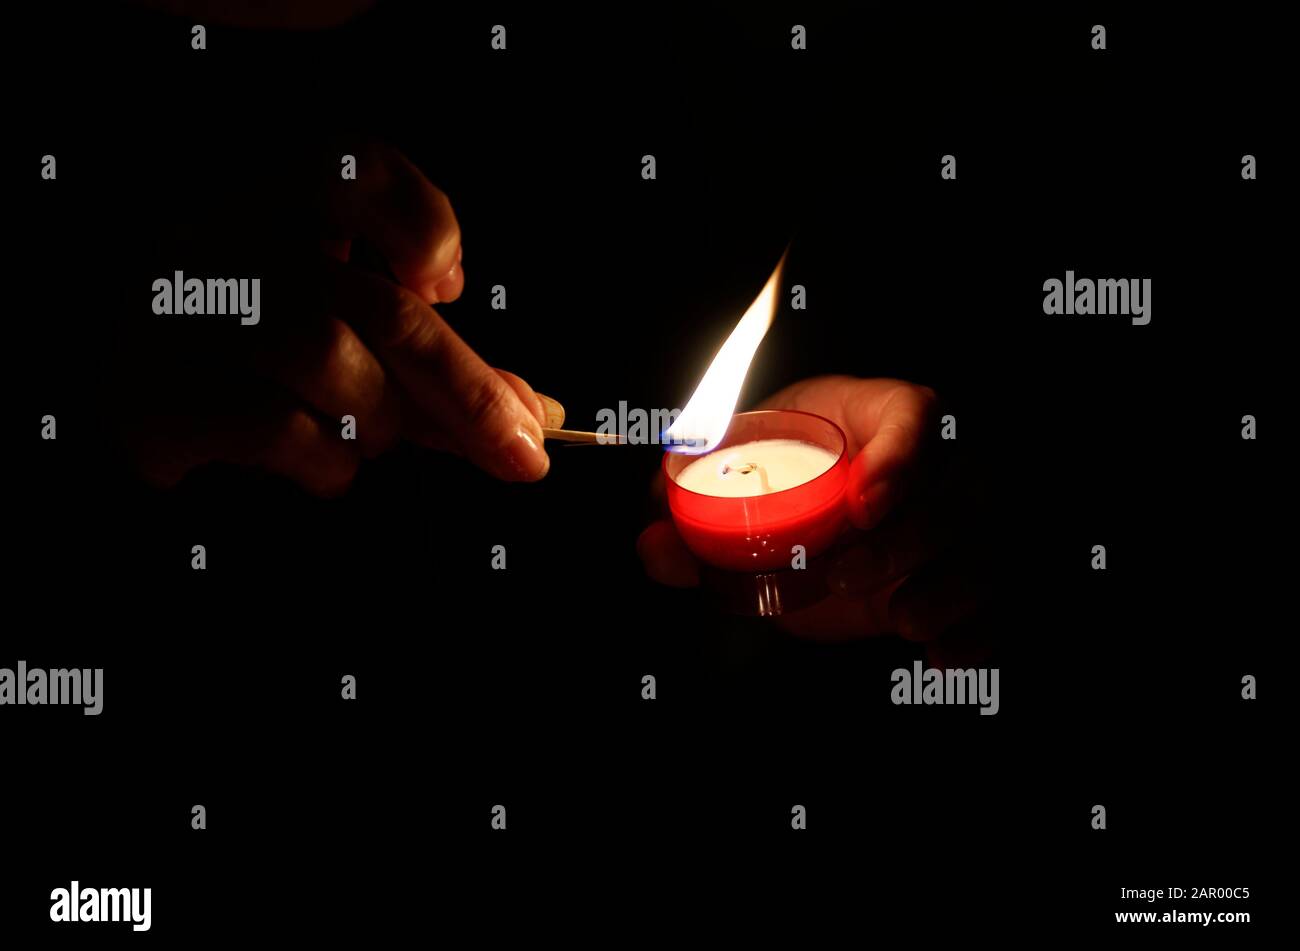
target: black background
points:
(523, 687)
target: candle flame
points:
(703, 423)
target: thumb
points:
(879, 474)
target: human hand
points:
(334, 340)
(901, 569)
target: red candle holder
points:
(757, 533)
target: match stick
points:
(577, 436)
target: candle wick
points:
(746, 469)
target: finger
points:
(858, 402)
(548, 412)
(328, 367)
(893, 549)
(878, 475)
(300, 446)
(255, 424)
(552, 412)
(666, 558)
(418, 428)
(406, 217)
(932, 601)
(480, 413)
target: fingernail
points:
(526, 454)
(460, 250)
(445, 289)
(860, 570)
(552, 411)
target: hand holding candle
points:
(776, 481)
(746, 491)
(895, 577)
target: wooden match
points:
(592, 439)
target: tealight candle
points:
(756, 468)
(776, 481)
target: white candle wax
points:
(756, 468)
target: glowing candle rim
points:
(757, 532)
(723, 445)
